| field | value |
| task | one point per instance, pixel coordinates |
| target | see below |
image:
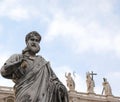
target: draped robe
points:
(35, 83)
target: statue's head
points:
(88, 74)
(31, 34)
(32, 40)
(69, 74)
(104, 79)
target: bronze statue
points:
(34, 79)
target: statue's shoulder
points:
(15, 57)
(40, 57)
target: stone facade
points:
(85, 97)
(7, 95)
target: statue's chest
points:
(30, 65)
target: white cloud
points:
(23, 10)
(86, 34)
(83, 38)
(116, 44)
(16, 10)
(105, 6)
(18, 14)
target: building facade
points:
(7, 95)
(75, 96)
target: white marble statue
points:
(106, 88)
(90, 83)
(70, 81)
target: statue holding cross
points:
(92, 74)
(90, 82)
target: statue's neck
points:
(30, 54)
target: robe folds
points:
(36, 82)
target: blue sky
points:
(77, 36)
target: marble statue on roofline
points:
(106, 88)
(90, 83)
(70, 82)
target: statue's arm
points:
(54, 81)
(66, 75)
(53, 78)
(10, 66)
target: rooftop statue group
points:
(107, 91)
(33, 76)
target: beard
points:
(34, 48)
